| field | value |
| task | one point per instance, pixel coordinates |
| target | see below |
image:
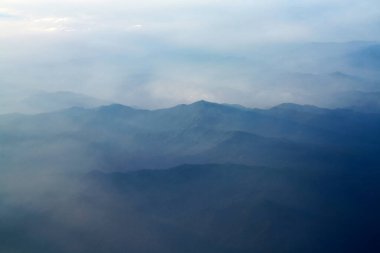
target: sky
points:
(156, 53)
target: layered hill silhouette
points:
(292, 178)
(203, 208)
(121, 138)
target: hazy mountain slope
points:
(368, 57)
(242, 209)
(320, 197)
(40, 102)
(359, 101)
(246, 148)
(203, 208)
(128, 138)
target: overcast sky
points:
(199, 22)
(147, 52)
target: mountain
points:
(234, 208)
(291, 178)
(118, 137)
(203, 208)
(359, 101)
(266, 75)
(54, 101)
(368, 57)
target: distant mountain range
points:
(292, 178)
(54, 101)
(259, 76)
(118, 137)
(359, 101)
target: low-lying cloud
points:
(158, 53)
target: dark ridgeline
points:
(291, 178)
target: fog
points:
(155, 54)
(304, 173)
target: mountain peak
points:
(116, 108)
(203, 103)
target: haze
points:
(155, 54)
